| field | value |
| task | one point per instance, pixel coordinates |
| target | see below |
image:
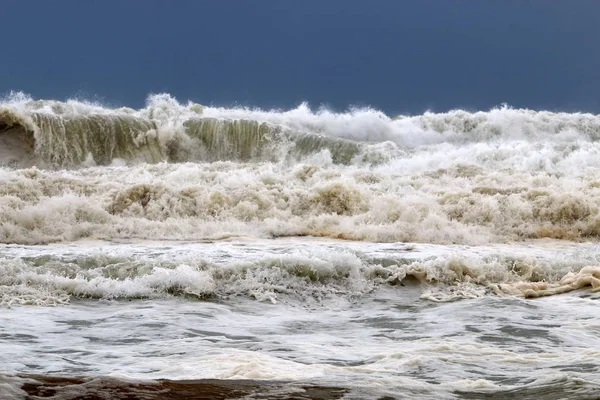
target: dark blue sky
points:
(398, 56)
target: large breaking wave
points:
(55, 134)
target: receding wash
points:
(181, 249)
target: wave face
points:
(54, 134)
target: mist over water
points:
(385, 225)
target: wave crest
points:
(57, 134)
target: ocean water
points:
(181, 251)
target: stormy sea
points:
(188, 251)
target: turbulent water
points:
(297, 254)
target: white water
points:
(332, 329)
(401, 259)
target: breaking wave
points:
(54, 134)
(303, 275)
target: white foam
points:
(449, 202)
(299, 272)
